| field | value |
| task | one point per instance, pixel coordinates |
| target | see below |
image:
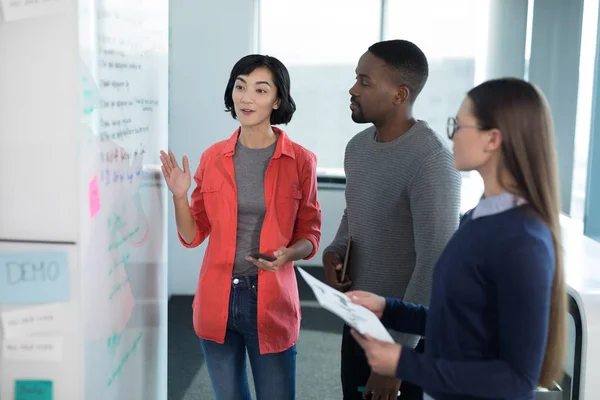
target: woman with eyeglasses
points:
(495, 326)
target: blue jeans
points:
(274, 374)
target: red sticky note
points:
(94, 197)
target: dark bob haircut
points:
(245, 66)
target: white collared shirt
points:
(496, 204)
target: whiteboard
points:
(123, 59)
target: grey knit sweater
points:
(402, 207)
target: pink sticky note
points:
(94, 197)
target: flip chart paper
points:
(356, 316)
(19, 9)
(33, 349)
(34, 277)
(33, 320)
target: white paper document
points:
(356, 316)
(33, 349)
(20, 9)
(33, 320)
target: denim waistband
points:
(244, 281)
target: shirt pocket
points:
(288, 203)
(212, 197)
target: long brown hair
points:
(521, 113)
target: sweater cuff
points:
(387, 317)
(339, 250)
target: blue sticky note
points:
(33, 390)
(34, 277)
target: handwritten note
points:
(117, 371)
(33, 390)
(121, 298)
(34, 277)
(90, 94)
(358, 317)
(94, 195)
(120, 167)
(33, 349)
(20, 9)
(33, 320)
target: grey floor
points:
(318, 362)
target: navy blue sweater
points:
(487, 323)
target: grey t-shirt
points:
(250, 167)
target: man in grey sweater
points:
(402, 202)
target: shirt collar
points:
(497, 204)
(284, 144)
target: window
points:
(457, 57)
(584, 107)
(320, 42)
(528, 38)
(453, 35)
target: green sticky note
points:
(33, 390)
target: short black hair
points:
(281, 77)
(407, 59)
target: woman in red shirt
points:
(256, 200)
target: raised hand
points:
(178, 180)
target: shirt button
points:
(236, 281)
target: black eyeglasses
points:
(453, 127)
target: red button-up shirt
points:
(292, 213)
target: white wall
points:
(206, 39)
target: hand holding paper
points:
(356, 316)
(383, 357)
(371, 301)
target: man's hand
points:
(333, 267)
(381, 387)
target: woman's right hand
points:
(178, 180)
(370, 301)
